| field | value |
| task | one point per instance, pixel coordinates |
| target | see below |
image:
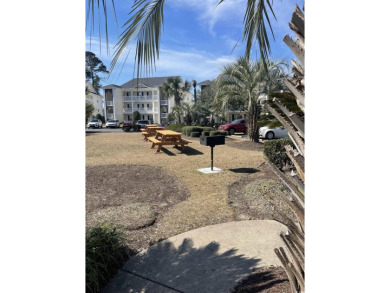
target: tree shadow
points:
(245, 170)
(262, 280)
(165, 268)
(189, 151)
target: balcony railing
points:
(140, 98)
(146, 110)
(164, 102)
(127, 110)
(109, 103)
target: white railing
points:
(127, 110)
(109, 103)
(140, 98)
(145, 110)
(164, 102)
(164, 115)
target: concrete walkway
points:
(209, 259)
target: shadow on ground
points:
(244, 170)
(167, 267)
(189, 151)
(270, 280)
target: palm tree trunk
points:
(253, 128)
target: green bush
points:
(276, 153)
(195, 134)
(136, 127)
(218, 132)
(105, 253)
(175, 127)
(188, 129)
(205, 133)
(206, 128)
(126, 129)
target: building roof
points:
(206, 82)
(110, 86)
(148, 82)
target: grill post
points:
(212, 156)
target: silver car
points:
(112, 123)
(96, 123)
(270, 133)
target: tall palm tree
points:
(243, 81)
(146, 21)
(175, 87)
(194, 83)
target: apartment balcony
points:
(127, 110)
(140, 98)
(109, 103)
(164, 102)
(110, 116)
(146, 110)
(164, 115)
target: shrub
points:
(205, 133)
(136, 127)
(105, 252)
(101, 117)
(126, 129)
(188, 129)
(276, 153)
(203, 121)
(195, 134)
(175, 127)
(208, 128)
(218, 132)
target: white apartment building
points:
(95, 99)
(146, 98)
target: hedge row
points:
(175, 127)
(275, 152)
(187, 130)
(218, 132)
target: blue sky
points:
(197, 39)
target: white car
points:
(112, 123)
(96, 123)
(270, 133)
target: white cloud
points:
(209, 14)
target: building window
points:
(128, 117)
(143, 105)
(138, 106)
(128, 105)
(147, 105)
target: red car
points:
(238, 125)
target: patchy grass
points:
(206, 200)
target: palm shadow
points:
(169, 268)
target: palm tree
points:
(175, 87)
(194, 83)
(146, 21)
(243, 81)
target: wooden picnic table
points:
(151, 131)
(148, 125)
(167, 137)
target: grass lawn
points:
(207, 200)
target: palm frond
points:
(144, 27)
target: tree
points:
(101, 117)
(93, 66)
(89, 108)
(146, 22)
(136, 116)
(194, 83)
(242, 82)
(175, 87)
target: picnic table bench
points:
(167, 137)
(151, 131)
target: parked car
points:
(238, 125)
(97, 123)
(127, 124)
(270, 133)
(112, 123)
(143, 123)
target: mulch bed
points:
(265, 280)
(257, 196)
(133, 198)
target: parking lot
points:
(103, 130)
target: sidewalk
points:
(209, 259)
